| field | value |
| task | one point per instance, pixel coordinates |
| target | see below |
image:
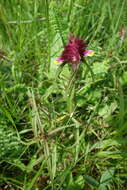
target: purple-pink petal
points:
(60, 59)
(88, 53)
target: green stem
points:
(48, 31)
(89, 68)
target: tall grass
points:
(60, 130)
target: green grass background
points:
(59, 131)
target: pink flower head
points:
(73, 52)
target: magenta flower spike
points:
(73, 52)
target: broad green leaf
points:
(107, 176)
(100, 67)
(106, 179)
(92, 181)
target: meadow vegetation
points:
(61, 130)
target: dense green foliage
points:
(59, 130)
